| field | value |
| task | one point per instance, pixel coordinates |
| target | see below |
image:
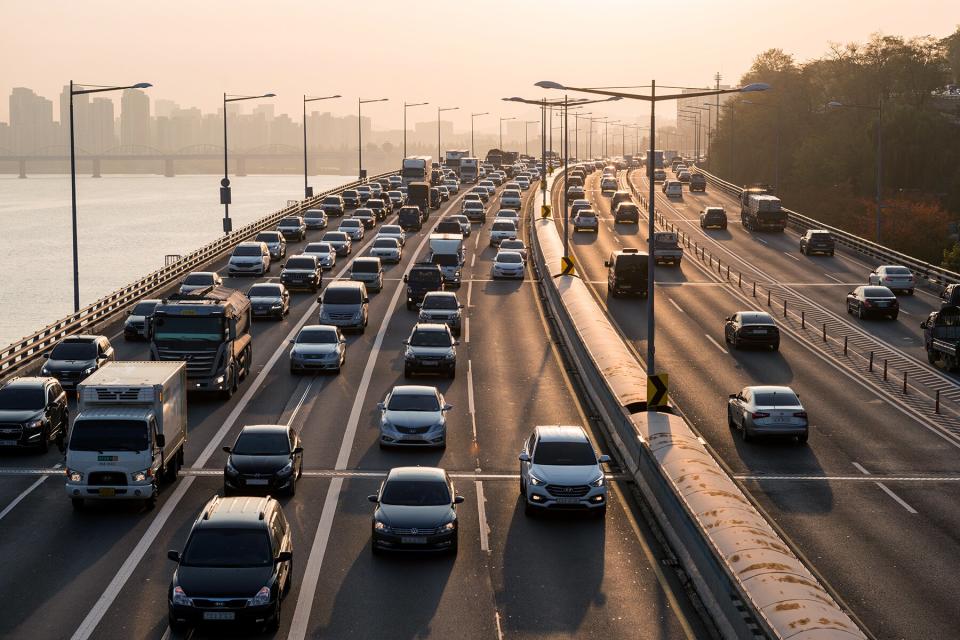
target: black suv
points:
(421, 279)
(33, 411)
(265, 458)
(75, 358)
(236, 567)
(817, 241)
(713, 217)
(410, 218)
(351, 198)
(698, 182)
(626, 213)
(627, 273)
(380, 207)
(302, 272)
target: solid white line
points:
(499, 630)
(899, 500)
(24, 494)
(833, 278)
(303, 398)
(466, 330)
(470, 407)
(469, 292)
(791, 256)
(482, 513)
(476, 242)
(861, 469)
(714, 342)
(308, 589)
(473, 260)
(905, 312)
(678, 308)
(760, 240)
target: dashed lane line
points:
(57, 469)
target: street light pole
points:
(879, 160)
(526, 130)
(472, 116)
(307, 191)
(225, 183)
(502, 120)
(407, 105)
(360, 102)
(439, 109)
(73, 176)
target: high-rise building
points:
(134, 119)
(31, 121)
(100, 123)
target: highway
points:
(869, 502)
(103, 572)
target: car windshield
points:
(439, 302)
(74, 351)
(877, 292)
(341, 296)
(314, 213)
(776, 399)
(335, 236)
(509, 258)
(364, 213)
(350, 224)
(257, 443)
(144, 309)
(364, 266)
(413, 402)
(564, 453)
(289, 222)
(264, 291)
(446, 260)
(318, 247)
(415, 493)
(331, 200)
(430, 339)
(898, 271)
(198, 278)
(228, 548)
(587, 213)
(248, 250)
(13, 399)
(189, 328)
(350, 193)
(301, 263)
(385, 243)
(317, 336)
(109, 435)
(391, 229)
(268, 236)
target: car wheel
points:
(44, 445)
(374, 549)
(274, 622)
(860, 313)
(730, 422)
(802, 440)
(454, 546)
(745, 433)
(849, 309)
(407, 372)
(735, 342)
(528, 509)
(77, 504)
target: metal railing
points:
(931, 273)
(18, 356)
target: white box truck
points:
(129, 432)
(446, 250)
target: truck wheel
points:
(227, 392)
(931, 358)
(77, 504)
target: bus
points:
(416, 169)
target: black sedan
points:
(751, 328)
(416, 510)
(264, 459)
(871, 300)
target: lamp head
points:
(833, 104)
(756, 86)
(142, 85)
(549, 84)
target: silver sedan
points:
(387, 249)
(413, 415)
(318, 347)
(767, 411)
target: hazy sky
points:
(466, 54)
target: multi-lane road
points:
(103, 572)
(870, 501)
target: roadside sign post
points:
(658, 394)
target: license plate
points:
(779, 420)
(8, 443)
(413, 540)
(258, 482)
(759, 331)
(219, 615)
(107, 492)
(106, 458)
(568, 500)
(430, 364)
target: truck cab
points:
(446, 251)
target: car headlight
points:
(141, 476)
(597, 482)
(409, 354)
(74, 476)
(44, 371)
(230, 469)
(381, 527)
(89, 370)
(450, 355)
(450, 526)
(286, 470)
(535, 481)
(34, 424)
(262, 598)
(276, 305)
(220, 380)
(180, 597)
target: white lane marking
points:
(676, 306)
(617, 240)
(303, 398)
(714, 342)
(833, 278)
(308, 588)
(470, 406)
(469, 292)
(24, 494)
(886, 489)
(466, 330)
(760, 240)
(473, 260)
(476, 242)
(499, 630)
(791, 256)
(482, 512)
(907, 313)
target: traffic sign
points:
(657, 391)
(545, 211)
(567, 266)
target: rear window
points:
(350, 223)
(776, 399)
(756, 318)
(199, 278)
(331, 200)
(144, 309)
(565, 454)
(268, 236)
(318, 247)
(385, 243)
(364, 266)
(264, 291)
(314, 213)
(898, 271)
(504, 226)
(391, 229)
(877, 292)
(587, 213)
(290, 222)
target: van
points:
(368, 271)
(344, 304)
(627, 273)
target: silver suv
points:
(442, 306)
(559, 469)
(430, 349)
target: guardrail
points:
(929, 272)
(751, 582)
(20, 355)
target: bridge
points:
(706, 535)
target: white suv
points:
(502, 229)
(249, 258)
(559, 469)
(510, 199)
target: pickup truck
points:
(666, 247)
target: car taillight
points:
(760, 414)
(867, 303)
(800, 414)
(888, 279)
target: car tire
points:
(745, 434)
(802, 440)
(292, 491)
(730, 423)
(452, 373)
(860, 313)
(44, 445)
(375, 550)
(407, 372)
(600, 512)
(894, 317)
(775, 346)
(77, 504)
(274, 623)
(849, 309)
(176, 626)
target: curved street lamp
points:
(407, 105)
(225, 197)
(362, 175)
(308, 190)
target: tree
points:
(951, 45)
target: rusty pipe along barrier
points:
(733, 556)
(21, 355)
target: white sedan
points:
(325, 253)
(894, 277)
(387, 249)
(508, 264)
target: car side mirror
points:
(372, 498)
(524, 457)
(160, 439)
(227, 449)
(173, 555)
(404, 278)
(284, 556)
(129, 312)
(923, 325)
(456, 343)
(320, 299)
(46, 355)
(381, 406)
(458, 499)
(604, 459)
(283, 265)
(406, 342)
(733, 396)
(292, 341)
(606, 263)
(447, 407)
(297, 450)
(459, 306)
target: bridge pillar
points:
(23, 168)
(241, 166)
(96, 167)
(168, 168)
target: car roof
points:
(562, 433)
(235, 511)
(84, 338)
(417, 473)
(756, 317)
(317, 327)
(440, 294)
(413, 390)
(265, 428)
(30, 382)
(430, 326)
(370, 258)
(767, 388)
(344, 284)
(507, 252)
